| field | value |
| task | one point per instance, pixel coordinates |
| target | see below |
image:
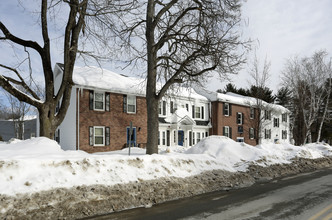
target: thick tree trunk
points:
(151, 96)
(46, 123)
(153, 126)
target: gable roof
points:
(238, 99)
(103, 79)
(97, 78)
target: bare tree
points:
(260, 77)
(81, 33)
(49, 119)
(327, 93)
(181, 42)
(306, 78)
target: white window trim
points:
(199, 111)
(132, 96)
(226, 108)
(161, 107)
(240, 138)
(94, 101)
(227, 128)
(198, 137)
(94, 136)
(237, 119)
(251, 130)
(252, 113)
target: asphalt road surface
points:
(305, 196)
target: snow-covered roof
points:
(95, 77)
(25, 118)
(103, 79)
(238, 99)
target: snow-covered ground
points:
(40, 164)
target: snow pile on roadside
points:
(40, 164)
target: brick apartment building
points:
(104, 125)
(235, 121)
(104, 104)
(238, 117)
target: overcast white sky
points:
(280, 28)
(283, 29)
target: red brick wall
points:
(219, 121)
(116, 119)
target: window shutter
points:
(223, 131)
(91, 99)
(164, 107)
(91, 136)
(223, 109)
(254, 113)
(242, 116)
(136, 104)
(125, 103)
(190, 138)
(59, 135)
(193, 111)
(107, 101)
(230, 109)
(187, 107)
(236, 118)
(171, 107)
(107, 136)
(230, 132)
(202, 113)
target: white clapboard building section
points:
(275, 124)
(184, 118)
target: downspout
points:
(78, 119)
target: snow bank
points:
(40, 164)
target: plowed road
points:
(305, 196)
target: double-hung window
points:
(267, 115)
(99, 101)
(239, 118)
(131, 104)
(226, 109)
(251, 133)
(162, 108)
(227, 131)
(276, 122)
(284, 117)
(198, 136)
(99, 138)
(252, 113)
(197, 112)
(267, 133)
